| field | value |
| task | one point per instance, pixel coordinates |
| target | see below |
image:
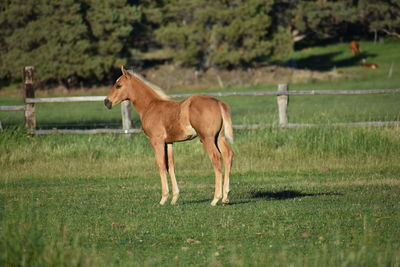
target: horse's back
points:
(203, 106)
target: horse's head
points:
(119, 91)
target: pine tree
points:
(111, 34)
(66, 39)
(381, 16)
(219, 33)
(48, 34)
(324, 20)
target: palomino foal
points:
(165, 121)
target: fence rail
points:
(335, 124)
(282, 95)
(308, 92)
(12, 108)
(90, 131)
(37, 100)
(222, 94)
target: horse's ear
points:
(125, 72)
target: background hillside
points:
(77, 43)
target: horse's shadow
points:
(287, 194)
(267, 195)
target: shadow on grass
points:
(86, 124)
(287, 194)
(264, 195)
(325, 62)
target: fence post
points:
(29, 92)
(283, 104)
(126, 115)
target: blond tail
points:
(227, 121)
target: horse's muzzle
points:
(108, 103)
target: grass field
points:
(321, 196)
(307, 197)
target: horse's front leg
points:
(159, 148)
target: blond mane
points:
(154, 87)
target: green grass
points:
(320, 196)
(308, 197)
(245, 110)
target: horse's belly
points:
(183, 134)
(190, 133)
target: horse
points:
(165, 121)
(355, 48)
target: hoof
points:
(174, 199)
(214, 202)
(163, 201)
(225, 201)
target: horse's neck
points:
(142, 96)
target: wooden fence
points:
(282, 95)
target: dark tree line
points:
(85, 40)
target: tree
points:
(217, 33)
(324, 20)
(381, 16)
(66, 39)
(44, 33)
(111, 34)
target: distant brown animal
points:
(355, 48)
(165, 121)
(369, 65)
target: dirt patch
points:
(175, 78)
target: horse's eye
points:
(118, 86)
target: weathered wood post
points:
(283, 105)
(126, 115)
(29, 92)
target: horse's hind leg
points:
(227, 156)
(215, 157)
(171, 171)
